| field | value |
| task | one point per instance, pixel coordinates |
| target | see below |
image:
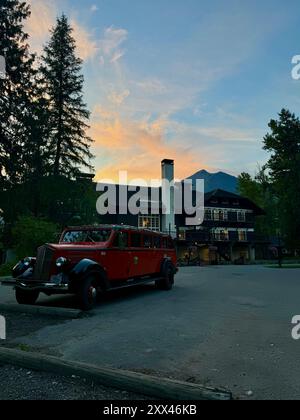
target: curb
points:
(42, 310)
(160, 388)
(7, 281)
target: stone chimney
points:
(168, 219)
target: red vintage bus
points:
(89, 261)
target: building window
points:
(241, 216)
(221, 215)
(242, 235)
(224, 235)
(221, 235)
(208, 214)
(150, 223)
(181, 234)
(216, 215)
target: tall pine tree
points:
(15, 92)
(68, 114)
(284, 144)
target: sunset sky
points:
(191, 80)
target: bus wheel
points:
(26, 297)
(167, 280)
(88, 293)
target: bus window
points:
(170, 244)
(147, 241)
(136, 240)
(164, 243)
(121, 240)
(156, 242)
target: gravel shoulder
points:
(21, 384)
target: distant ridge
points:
(214, 181)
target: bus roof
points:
(115, 227)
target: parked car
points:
(89, 261)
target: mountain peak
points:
(214, 181)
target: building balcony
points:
(205, 236)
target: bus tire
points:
(26, 297)
(167, 280)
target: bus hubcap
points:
(92, 293)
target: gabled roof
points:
(244, 202)
(221, 194)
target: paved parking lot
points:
(221, 326)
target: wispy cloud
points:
(42, 19)
(94, 8)
(118, 98)
(110, 45)
(87, 46)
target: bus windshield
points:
(86, 236)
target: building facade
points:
(227, 233)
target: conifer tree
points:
(68, 115)
(283, 142)
(15, 91)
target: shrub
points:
(29, 233)
(6, 269)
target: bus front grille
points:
(43, 264)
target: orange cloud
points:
(42, 20)
(43, 14)
(86, 46)
(137, 147)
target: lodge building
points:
(227, 233)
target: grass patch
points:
(24, 347)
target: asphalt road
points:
(225, 327)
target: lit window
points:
(242, 236)
(182, 234)
(150, 223)
(216, 215)
(224, 235)
(220, 235)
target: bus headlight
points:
(27, 262)
(60, 262)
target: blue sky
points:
(192, 80)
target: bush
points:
(6, 269)
(29, 233)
